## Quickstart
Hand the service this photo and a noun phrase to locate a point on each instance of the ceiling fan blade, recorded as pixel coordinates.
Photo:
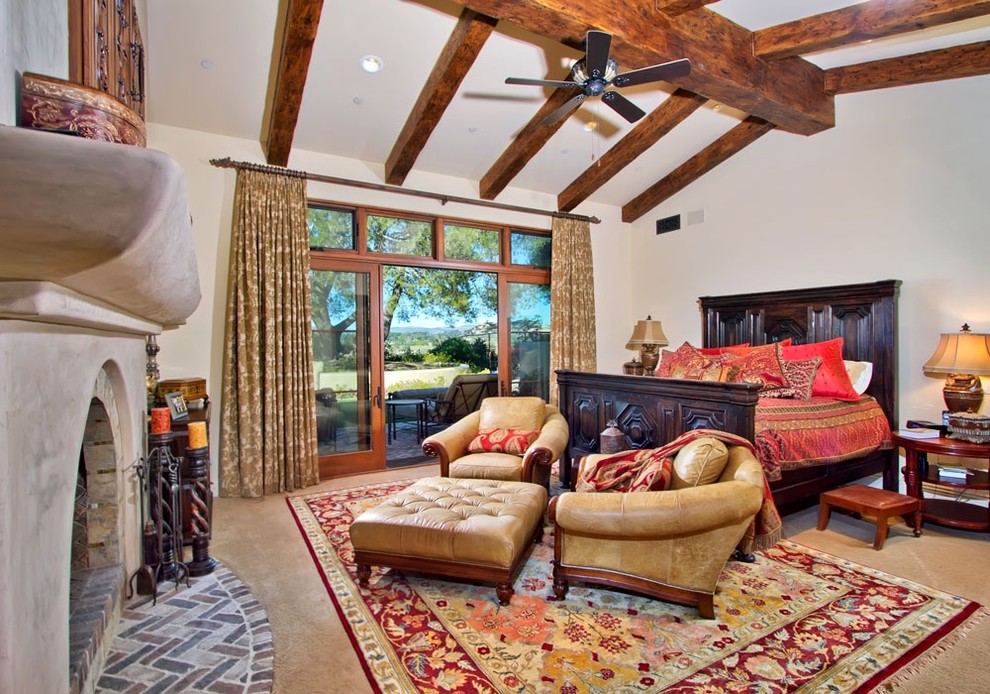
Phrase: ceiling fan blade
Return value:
(540, 83)
(623, 106)
(564, 110)
(654, 73)
(596, 58)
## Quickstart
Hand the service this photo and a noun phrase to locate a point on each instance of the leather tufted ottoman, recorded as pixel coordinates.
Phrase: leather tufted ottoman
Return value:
(463, 528)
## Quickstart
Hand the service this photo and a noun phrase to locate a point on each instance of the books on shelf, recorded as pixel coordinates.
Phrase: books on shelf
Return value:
(954, 473)
(919, 433)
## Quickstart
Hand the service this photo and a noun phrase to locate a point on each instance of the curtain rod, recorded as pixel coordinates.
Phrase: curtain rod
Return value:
(228, 163)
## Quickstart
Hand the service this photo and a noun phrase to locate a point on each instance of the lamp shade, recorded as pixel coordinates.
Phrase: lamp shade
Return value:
(647, 332)
(963, 352)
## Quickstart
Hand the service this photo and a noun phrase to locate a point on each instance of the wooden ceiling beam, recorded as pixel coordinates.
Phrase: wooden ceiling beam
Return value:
(789, 93)
(647, 133)
(740, 137)
(525, 146)
(302, 19)
(676, 7)
(457, 57)
(969, 60)
(864, 22)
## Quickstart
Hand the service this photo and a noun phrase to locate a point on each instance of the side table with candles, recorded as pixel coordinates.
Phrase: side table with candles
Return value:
(918, 469)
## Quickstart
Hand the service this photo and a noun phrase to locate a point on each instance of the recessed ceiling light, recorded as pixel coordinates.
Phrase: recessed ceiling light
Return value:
(372, 63)
(357, 100)
(472, 129)
(590, 126)
(206, 63)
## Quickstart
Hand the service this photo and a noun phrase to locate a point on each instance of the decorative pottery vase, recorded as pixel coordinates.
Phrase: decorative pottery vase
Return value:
(613, 440)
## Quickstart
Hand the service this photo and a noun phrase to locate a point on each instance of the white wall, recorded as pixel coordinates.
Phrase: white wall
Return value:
(897, 190)
(196, 348)
(35, 39)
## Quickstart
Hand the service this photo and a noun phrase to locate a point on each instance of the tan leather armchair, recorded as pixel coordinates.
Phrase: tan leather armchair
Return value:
(451, 446)
(669, 544)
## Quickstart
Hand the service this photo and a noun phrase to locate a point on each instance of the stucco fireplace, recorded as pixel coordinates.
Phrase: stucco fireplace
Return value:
(96, 254)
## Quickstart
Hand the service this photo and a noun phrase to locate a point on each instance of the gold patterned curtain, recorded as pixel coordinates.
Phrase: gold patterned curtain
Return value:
(572, 300)
(268, 414)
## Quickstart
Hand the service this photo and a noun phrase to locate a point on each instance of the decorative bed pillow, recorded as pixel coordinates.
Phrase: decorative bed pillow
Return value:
(699, 462)
(511, 441)
(731, 349)
(860, 374)
(758, 365)
(831, 381)
(800, 375)
(689, 362)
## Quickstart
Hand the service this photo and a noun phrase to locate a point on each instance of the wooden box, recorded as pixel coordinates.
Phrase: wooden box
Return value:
(191, 388)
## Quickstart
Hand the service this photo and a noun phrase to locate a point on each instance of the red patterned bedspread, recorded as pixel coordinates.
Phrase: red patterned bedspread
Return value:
(802, 433)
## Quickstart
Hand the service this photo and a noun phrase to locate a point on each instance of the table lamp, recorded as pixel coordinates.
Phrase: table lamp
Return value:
(962, 357)
(648, 338)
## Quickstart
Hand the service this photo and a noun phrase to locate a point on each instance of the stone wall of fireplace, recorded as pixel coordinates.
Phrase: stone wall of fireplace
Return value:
(97, 255)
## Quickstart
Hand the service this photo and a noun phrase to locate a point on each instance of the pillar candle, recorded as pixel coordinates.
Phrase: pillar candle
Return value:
(197, 435)
(161, 420)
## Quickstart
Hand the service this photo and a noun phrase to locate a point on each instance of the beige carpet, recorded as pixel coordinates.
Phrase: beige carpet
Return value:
(259, 541)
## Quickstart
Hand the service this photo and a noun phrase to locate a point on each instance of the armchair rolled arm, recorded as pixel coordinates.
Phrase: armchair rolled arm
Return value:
(658, 514)
(451, 443)
(549, 445)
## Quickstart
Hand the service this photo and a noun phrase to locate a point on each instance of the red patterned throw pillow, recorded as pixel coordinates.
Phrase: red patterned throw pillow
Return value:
(800, 376)
(758, 365)
(511, 441)
(689, 362)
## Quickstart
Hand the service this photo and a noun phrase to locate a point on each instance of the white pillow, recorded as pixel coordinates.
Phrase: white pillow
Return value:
(860, 373)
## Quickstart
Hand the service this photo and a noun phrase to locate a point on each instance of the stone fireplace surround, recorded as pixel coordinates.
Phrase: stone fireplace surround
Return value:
(96, 253)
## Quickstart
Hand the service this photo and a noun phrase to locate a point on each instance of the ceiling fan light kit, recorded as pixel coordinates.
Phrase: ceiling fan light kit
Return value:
(597, 71)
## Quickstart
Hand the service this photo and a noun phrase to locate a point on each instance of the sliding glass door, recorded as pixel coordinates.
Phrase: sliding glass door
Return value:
(347, 368)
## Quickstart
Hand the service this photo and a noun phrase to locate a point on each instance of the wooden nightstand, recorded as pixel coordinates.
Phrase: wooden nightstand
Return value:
(956, 514)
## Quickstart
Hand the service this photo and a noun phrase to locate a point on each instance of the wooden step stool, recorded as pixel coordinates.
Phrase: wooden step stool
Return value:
(869, 501)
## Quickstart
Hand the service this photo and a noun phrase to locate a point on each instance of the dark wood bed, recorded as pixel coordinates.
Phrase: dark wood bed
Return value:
(652, 411)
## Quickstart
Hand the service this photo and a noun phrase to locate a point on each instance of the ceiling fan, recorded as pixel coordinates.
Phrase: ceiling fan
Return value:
(596, 72)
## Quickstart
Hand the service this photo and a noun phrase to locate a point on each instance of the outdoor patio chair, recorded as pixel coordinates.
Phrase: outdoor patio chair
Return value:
(463, 396)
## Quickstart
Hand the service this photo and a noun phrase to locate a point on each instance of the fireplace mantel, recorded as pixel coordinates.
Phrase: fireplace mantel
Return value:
(102, 220)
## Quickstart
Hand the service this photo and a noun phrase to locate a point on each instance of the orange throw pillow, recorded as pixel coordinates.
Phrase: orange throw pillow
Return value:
(510, 441)
(758, 365)
(832, 379)
(689, 362)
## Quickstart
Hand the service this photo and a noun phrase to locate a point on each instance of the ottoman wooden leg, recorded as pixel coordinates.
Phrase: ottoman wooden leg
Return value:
(363, 574)
(559, 588)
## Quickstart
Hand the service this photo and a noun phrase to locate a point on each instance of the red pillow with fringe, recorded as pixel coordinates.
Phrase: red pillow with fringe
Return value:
(511, 441)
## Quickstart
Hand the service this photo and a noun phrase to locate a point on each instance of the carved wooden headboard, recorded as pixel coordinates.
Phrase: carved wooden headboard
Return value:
(864, 315)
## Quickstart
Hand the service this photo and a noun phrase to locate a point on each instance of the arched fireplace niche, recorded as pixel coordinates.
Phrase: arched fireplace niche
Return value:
(104, 480)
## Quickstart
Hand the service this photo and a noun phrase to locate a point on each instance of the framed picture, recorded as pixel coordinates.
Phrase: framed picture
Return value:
(177, 405)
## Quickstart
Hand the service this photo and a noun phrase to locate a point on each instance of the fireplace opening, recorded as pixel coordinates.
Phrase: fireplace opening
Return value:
(96, 581)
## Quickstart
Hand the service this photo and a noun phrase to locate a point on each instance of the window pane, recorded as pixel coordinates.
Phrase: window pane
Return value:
(331, 228)
(437, 324)
(530, 249)
(402, 236)
(470, 243)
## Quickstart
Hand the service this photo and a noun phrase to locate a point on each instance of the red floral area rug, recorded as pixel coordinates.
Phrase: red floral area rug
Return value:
(797, 620)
